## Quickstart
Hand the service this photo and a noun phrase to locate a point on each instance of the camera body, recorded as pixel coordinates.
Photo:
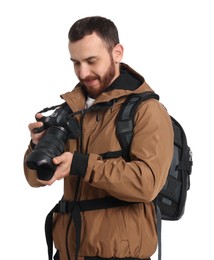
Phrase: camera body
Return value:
(60, 126)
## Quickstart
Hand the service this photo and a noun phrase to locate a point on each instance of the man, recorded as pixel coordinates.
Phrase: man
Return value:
(92, 173)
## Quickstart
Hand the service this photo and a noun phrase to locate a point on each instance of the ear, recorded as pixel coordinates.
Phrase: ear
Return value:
(118, 53)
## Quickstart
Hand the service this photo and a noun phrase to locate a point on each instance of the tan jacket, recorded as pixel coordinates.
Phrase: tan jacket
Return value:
(128, 231)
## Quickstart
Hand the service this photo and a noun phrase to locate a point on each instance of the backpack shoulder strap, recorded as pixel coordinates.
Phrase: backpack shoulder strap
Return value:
(125, 118)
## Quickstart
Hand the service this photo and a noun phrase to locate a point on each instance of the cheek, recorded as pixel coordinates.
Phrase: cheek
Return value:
(102, 68)
(76, 71)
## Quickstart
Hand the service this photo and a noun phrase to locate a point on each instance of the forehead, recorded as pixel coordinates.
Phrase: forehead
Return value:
(90, 45)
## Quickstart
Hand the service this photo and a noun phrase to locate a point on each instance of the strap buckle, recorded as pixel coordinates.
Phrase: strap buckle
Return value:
(63, 206)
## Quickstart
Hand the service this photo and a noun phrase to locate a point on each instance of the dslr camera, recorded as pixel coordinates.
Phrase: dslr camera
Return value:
(60, 126)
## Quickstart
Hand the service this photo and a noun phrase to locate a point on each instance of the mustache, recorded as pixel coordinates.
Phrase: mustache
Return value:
(89, 78)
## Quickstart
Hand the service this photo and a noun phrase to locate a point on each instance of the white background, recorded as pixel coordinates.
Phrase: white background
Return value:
(169, 42)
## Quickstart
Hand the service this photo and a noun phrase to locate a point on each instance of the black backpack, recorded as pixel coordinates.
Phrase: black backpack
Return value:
(170, 202)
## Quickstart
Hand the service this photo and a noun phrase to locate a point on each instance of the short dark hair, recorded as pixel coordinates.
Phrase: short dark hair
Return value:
(102, 26)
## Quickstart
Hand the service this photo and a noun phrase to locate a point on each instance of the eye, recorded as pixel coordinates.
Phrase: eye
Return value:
(76, 63)
(91, 61)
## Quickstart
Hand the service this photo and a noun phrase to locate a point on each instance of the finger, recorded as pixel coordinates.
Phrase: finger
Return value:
(31, 126)
(38, 115)
(49, 182)
(60, 159)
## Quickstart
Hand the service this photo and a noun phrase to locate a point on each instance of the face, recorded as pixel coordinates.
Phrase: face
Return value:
(94, 65)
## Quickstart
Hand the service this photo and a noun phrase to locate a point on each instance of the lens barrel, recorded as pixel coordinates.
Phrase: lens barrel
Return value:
(50, 145)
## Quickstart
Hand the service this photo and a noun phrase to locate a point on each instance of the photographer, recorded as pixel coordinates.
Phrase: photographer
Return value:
(107, 209)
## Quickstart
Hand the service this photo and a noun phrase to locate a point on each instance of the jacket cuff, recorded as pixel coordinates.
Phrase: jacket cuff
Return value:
(79, 164)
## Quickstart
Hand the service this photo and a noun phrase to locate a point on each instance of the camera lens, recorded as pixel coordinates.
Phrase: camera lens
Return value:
(50, 145)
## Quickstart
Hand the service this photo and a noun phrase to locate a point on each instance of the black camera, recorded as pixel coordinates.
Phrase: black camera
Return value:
(61, 126)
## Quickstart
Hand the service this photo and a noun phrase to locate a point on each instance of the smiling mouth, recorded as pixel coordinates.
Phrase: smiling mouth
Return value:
(90, 82)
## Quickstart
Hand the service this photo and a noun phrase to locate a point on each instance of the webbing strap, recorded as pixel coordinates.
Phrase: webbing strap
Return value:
(158, 212)
(74, 208)
(48, 231)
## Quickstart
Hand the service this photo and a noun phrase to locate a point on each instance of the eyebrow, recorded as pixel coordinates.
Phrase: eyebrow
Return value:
(89, 58)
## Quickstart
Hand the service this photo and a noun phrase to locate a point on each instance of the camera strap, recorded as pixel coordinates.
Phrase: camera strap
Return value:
(46, 109)
(96, 107)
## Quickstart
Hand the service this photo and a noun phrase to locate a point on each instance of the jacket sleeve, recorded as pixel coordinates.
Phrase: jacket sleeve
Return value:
(151, 152)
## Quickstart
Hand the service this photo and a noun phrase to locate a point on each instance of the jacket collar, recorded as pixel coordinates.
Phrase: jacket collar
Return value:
(129, 82)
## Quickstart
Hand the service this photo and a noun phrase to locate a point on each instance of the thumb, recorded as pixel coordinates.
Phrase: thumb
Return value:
(57, 160)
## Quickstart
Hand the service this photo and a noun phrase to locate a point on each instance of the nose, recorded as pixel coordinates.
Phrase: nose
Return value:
(84, 71)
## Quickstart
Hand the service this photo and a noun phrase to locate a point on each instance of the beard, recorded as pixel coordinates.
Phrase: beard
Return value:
(104, 81)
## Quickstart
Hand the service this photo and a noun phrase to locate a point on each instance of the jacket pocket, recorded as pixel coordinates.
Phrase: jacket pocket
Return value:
(121, 225)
